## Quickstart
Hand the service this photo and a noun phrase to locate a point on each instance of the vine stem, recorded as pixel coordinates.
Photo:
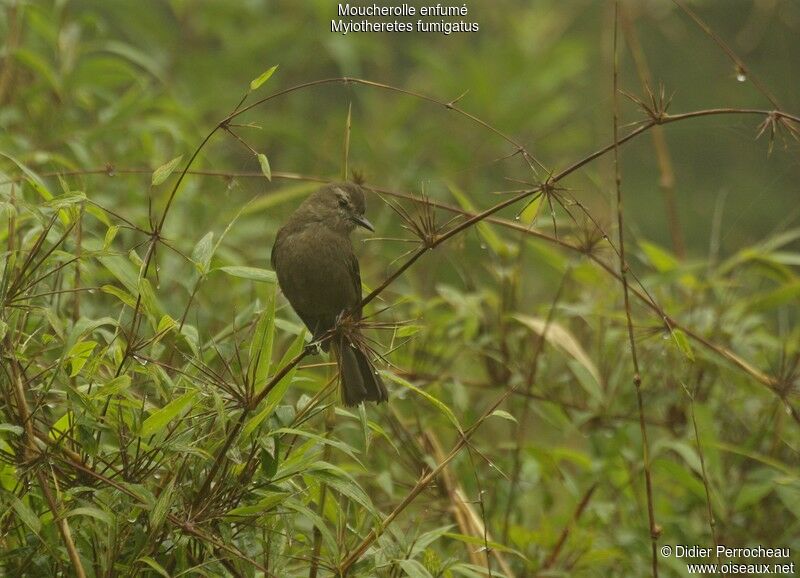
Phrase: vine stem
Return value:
(623, 267)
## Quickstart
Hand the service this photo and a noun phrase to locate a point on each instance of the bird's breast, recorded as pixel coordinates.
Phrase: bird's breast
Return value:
(314, 268)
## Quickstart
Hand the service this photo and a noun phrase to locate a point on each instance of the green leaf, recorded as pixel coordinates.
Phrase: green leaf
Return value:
(479, 541)
(79, 355)
(485, 230)
(161, 508)
(407, 330)
(122, 269)
(166, 324)
(504, 415)
(441, 406)
(123, 296)
(96, 513)
(62, 425)
(275, 396)
(789, 494)
(113, 387)
(202, 252)
(163, 172)
(257, 82)
(25, 514)
(316, 521)
(334, 443)
(262, 506)
(261, 345)
(252, 273)
(683, 343)
(265, 168)
(661, 259)
(149, 299)
(786, 293)
(414, 569)
(561, 338)
(154, 565)
(158, 420)
(7, 427)
(278, 197)
(33, 179)
(269, 461)
(111, 234)
(341, 482)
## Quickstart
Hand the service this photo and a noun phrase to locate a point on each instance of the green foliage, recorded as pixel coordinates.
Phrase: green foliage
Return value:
(159, 398)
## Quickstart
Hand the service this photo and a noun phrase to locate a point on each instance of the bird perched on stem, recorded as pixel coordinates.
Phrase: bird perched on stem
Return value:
(319, 274)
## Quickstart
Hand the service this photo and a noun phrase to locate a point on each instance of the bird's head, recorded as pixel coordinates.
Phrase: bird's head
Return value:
(339, 206)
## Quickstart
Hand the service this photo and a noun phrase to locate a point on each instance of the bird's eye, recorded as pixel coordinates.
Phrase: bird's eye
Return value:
(342, 202)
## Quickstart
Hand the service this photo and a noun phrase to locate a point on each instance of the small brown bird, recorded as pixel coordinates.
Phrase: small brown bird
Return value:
(319, 274)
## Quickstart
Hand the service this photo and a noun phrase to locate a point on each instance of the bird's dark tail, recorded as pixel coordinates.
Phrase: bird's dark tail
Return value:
(360, 382)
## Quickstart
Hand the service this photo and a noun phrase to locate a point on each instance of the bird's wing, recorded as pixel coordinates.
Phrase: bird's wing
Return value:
(355, 274)
(276, 246)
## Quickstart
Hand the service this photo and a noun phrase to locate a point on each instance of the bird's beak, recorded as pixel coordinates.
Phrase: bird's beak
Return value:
(363, 222)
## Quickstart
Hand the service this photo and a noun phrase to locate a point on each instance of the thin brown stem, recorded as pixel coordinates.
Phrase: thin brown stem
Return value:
(562, 539)
(623, 267)
(31, 453)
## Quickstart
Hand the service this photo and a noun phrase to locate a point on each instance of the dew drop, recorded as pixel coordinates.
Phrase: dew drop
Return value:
(517, 217)
(741, 75)
(483, 245)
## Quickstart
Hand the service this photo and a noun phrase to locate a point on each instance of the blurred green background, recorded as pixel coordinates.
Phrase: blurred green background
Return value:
(122, 87)
(135, 84)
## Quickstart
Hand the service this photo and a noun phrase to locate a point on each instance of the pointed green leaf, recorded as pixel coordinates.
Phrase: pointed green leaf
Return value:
(79, 355)
(159, 512)
(269, 461)
(275, 396)
(257, 82)
(26, 514)
(504, 415)
(441, 406)
(158, 420)
(264, 505)
(261, 345)
(265, 168)
(683, 343)
(203, 251)
(113, 387)
(252, 273)
(163, 172)
(154, 565)
(7, 427)
(111, 234)
(95, 513)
